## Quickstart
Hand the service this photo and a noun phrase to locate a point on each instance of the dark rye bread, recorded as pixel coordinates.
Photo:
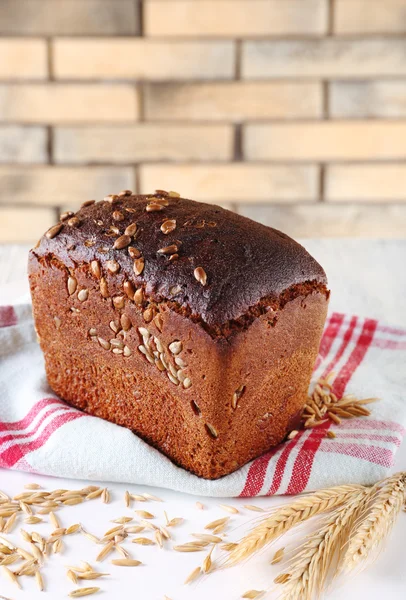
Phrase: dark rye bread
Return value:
(179, 320)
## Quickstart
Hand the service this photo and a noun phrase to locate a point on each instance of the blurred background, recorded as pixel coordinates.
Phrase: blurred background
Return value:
(292, 112)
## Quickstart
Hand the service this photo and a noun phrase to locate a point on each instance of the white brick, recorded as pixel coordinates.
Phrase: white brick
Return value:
(57, 186)
(369, 16)
(143, 142)
(23, 144)
(126, 58)
(332, 220)
(233, 182)
(328, 57)
(24, 225)
(366, 182)
(235, 18)
(233, 101)
(23, 59)
(326, 141)
(70, 103)
(359, 99)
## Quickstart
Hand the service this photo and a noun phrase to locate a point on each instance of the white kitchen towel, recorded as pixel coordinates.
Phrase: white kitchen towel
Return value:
(39, 433)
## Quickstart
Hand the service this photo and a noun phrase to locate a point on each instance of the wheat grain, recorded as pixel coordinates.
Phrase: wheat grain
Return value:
(32, 486)
(143, 541)
(217, 523)
(199, 505)
(39, 580)
(285, 518)
(207, 563)
(253, 594)
(253, 508)
(105, 496)
(193, 575)
(127, 499)
(230, 509)
(72, 576)
(11, 576)
(105, 551)
(84, 592)
(126, 562)
(206, 537)
(152, 497)
(386, 500)
(144, 514)
(278, 556)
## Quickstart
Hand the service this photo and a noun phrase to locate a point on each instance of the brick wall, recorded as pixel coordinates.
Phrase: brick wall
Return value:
(292, 112)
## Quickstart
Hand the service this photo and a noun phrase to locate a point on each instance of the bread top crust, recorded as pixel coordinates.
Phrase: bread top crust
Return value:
(214, 263)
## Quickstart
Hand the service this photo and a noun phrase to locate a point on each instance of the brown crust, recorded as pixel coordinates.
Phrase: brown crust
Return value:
(248, 265)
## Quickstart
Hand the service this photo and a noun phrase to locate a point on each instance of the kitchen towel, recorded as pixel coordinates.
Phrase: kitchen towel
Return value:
(39, 433)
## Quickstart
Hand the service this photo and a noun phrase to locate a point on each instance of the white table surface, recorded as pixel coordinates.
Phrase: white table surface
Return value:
(376, 267)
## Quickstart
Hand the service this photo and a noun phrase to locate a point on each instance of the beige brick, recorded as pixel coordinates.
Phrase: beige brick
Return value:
(369, 16)
(23, 144)
(233, 101)
(358, 99)
(23, 59)
(332, 220)
(143, 59)
(233, 182)
(143, 142)
(56, 186)
(24, 225)
(65, 17)
(59, 103)
(231, 18)
(330, 140)
(366, 182)
(328, 57)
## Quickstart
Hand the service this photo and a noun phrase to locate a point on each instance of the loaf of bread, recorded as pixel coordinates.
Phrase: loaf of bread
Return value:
(193, 326)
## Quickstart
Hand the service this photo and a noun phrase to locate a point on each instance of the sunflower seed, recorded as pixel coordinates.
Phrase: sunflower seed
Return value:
(130, 230)
(112, 266)
(175, 347)
(117, 215)
(187, 383)
(83, 295)
(237, 395)
(104, 343)
(125, 322)
(118, 301)
(167, 250)
(124, 193)
(72, 285)
(200, 275)
(168, 226)
(122, 242)
(73, 222)
(53, 231)
(211, 430)
(139, 265)
(154, 207)
(129, 289)
(104, 290)
(95, 268)
(66, 215)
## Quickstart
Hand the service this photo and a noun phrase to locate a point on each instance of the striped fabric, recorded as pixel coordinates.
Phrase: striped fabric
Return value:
(40, 433)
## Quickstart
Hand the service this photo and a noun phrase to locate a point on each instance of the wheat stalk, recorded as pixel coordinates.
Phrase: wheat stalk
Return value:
(386, 500)
(309, 569)
(287, 517)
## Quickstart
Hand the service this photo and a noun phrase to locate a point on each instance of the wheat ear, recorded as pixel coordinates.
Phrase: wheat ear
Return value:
(386, 500)
(310, 567)
(285, 518)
